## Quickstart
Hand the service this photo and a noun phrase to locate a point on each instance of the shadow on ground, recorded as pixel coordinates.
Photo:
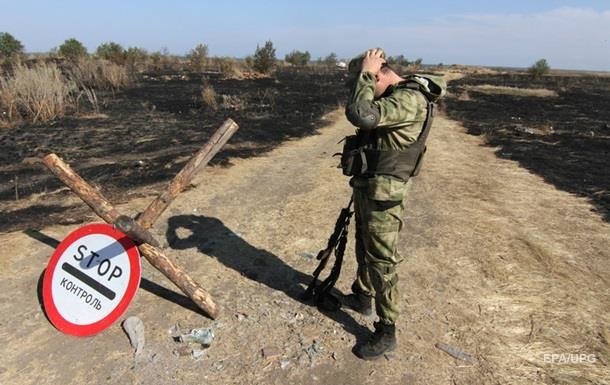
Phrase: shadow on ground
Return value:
(211, 237)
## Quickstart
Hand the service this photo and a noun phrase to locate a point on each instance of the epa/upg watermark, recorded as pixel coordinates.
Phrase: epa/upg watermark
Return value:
(569, 358)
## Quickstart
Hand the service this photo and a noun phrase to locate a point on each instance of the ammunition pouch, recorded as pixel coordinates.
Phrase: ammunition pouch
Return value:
(353, 158)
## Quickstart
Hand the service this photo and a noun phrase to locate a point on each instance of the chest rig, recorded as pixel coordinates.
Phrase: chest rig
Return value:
(361, 157)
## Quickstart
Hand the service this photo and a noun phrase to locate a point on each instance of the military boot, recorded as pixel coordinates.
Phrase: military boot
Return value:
(382, 341)
(359, 302)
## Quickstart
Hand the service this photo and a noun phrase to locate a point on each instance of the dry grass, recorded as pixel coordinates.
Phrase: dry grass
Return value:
(39, 93)
(513, 91)
(100, 74)
(208, 96)
(516, 272)
(229, 68)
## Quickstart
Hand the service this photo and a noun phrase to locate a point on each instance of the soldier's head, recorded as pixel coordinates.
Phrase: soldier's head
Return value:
(384, 78)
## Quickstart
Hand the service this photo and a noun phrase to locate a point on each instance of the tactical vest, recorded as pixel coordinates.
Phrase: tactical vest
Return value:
(360, 157)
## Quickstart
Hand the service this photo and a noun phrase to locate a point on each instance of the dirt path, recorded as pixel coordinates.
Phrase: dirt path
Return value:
(499, 264)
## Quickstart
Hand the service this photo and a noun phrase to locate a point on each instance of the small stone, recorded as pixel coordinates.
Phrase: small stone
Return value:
(241, 316)
(134, 327)
(314, 350)
(306, 255)
(174, 331)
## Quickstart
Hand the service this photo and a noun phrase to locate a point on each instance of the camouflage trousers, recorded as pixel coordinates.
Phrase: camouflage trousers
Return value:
(379, 206)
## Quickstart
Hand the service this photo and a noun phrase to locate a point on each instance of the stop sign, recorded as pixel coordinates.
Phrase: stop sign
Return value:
(90, 280)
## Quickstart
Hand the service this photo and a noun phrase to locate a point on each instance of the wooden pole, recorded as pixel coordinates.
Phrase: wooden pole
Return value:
(108, 213)
(184, 177)
(135, 231)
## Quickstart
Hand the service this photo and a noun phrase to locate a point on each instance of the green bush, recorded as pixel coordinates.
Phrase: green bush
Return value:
(264, 58)
(298, 58)
(331, 59)
(111, 51)
(72, 50)
(136, 58)
(197, 57)
(10, 48)
(540, 68)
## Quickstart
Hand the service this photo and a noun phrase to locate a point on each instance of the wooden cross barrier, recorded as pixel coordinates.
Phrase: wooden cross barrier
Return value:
(138, 229)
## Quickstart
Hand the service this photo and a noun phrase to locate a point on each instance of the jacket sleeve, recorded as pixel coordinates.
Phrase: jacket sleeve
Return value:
(397, 109)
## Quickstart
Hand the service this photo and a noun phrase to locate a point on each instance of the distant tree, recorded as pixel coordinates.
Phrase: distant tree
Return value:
(264, 58)
(197, 57)
(298, 58)
(417, 63)
(400, 60)
(72, 49)
(331, 59)
(111, 51)
(9, 46)
(249, 61)
(134, 57)
(540, 68)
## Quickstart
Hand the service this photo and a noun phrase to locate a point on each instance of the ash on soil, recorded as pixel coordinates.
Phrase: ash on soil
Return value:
(144, 135)
(565, 139)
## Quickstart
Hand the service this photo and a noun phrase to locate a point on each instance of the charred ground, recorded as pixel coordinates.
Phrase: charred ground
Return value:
(145, 134)
(563, 138)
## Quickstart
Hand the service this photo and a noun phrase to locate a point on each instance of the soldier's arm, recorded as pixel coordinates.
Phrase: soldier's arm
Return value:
(364, 112)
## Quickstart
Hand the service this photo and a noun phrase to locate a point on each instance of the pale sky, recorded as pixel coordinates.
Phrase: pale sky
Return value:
(516, 33)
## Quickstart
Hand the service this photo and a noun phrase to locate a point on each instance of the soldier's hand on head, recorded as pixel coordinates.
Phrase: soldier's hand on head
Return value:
(373, 60)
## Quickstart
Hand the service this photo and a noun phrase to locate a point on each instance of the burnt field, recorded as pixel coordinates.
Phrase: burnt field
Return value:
(557, 126)
(143, 136)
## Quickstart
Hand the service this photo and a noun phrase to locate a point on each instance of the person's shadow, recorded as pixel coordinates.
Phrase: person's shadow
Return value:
(213, 238)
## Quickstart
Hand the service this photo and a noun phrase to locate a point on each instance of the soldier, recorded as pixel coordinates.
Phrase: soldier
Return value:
(391, 114)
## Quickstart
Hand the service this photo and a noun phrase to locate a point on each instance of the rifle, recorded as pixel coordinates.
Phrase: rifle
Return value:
(337, 242)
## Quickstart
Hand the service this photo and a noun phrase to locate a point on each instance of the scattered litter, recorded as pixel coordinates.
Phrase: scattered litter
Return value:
(195, 342)
(134, 327)
(201, 336)
(284, 364)
(334, 356)
(455, 352)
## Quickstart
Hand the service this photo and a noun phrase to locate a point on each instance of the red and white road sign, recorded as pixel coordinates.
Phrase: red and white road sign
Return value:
(90, 280)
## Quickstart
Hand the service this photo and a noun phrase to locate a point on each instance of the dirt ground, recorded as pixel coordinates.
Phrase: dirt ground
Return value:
(500, 263)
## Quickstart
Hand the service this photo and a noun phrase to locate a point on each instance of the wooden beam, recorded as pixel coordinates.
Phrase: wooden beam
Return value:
(185, 176)
(136, 232)
(100, 205)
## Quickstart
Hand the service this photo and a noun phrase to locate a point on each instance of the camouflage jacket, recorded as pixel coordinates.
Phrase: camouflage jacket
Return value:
(402, 113)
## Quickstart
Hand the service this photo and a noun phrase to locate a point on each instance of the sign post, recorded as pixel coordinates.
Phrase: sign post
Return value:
(90, 280)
